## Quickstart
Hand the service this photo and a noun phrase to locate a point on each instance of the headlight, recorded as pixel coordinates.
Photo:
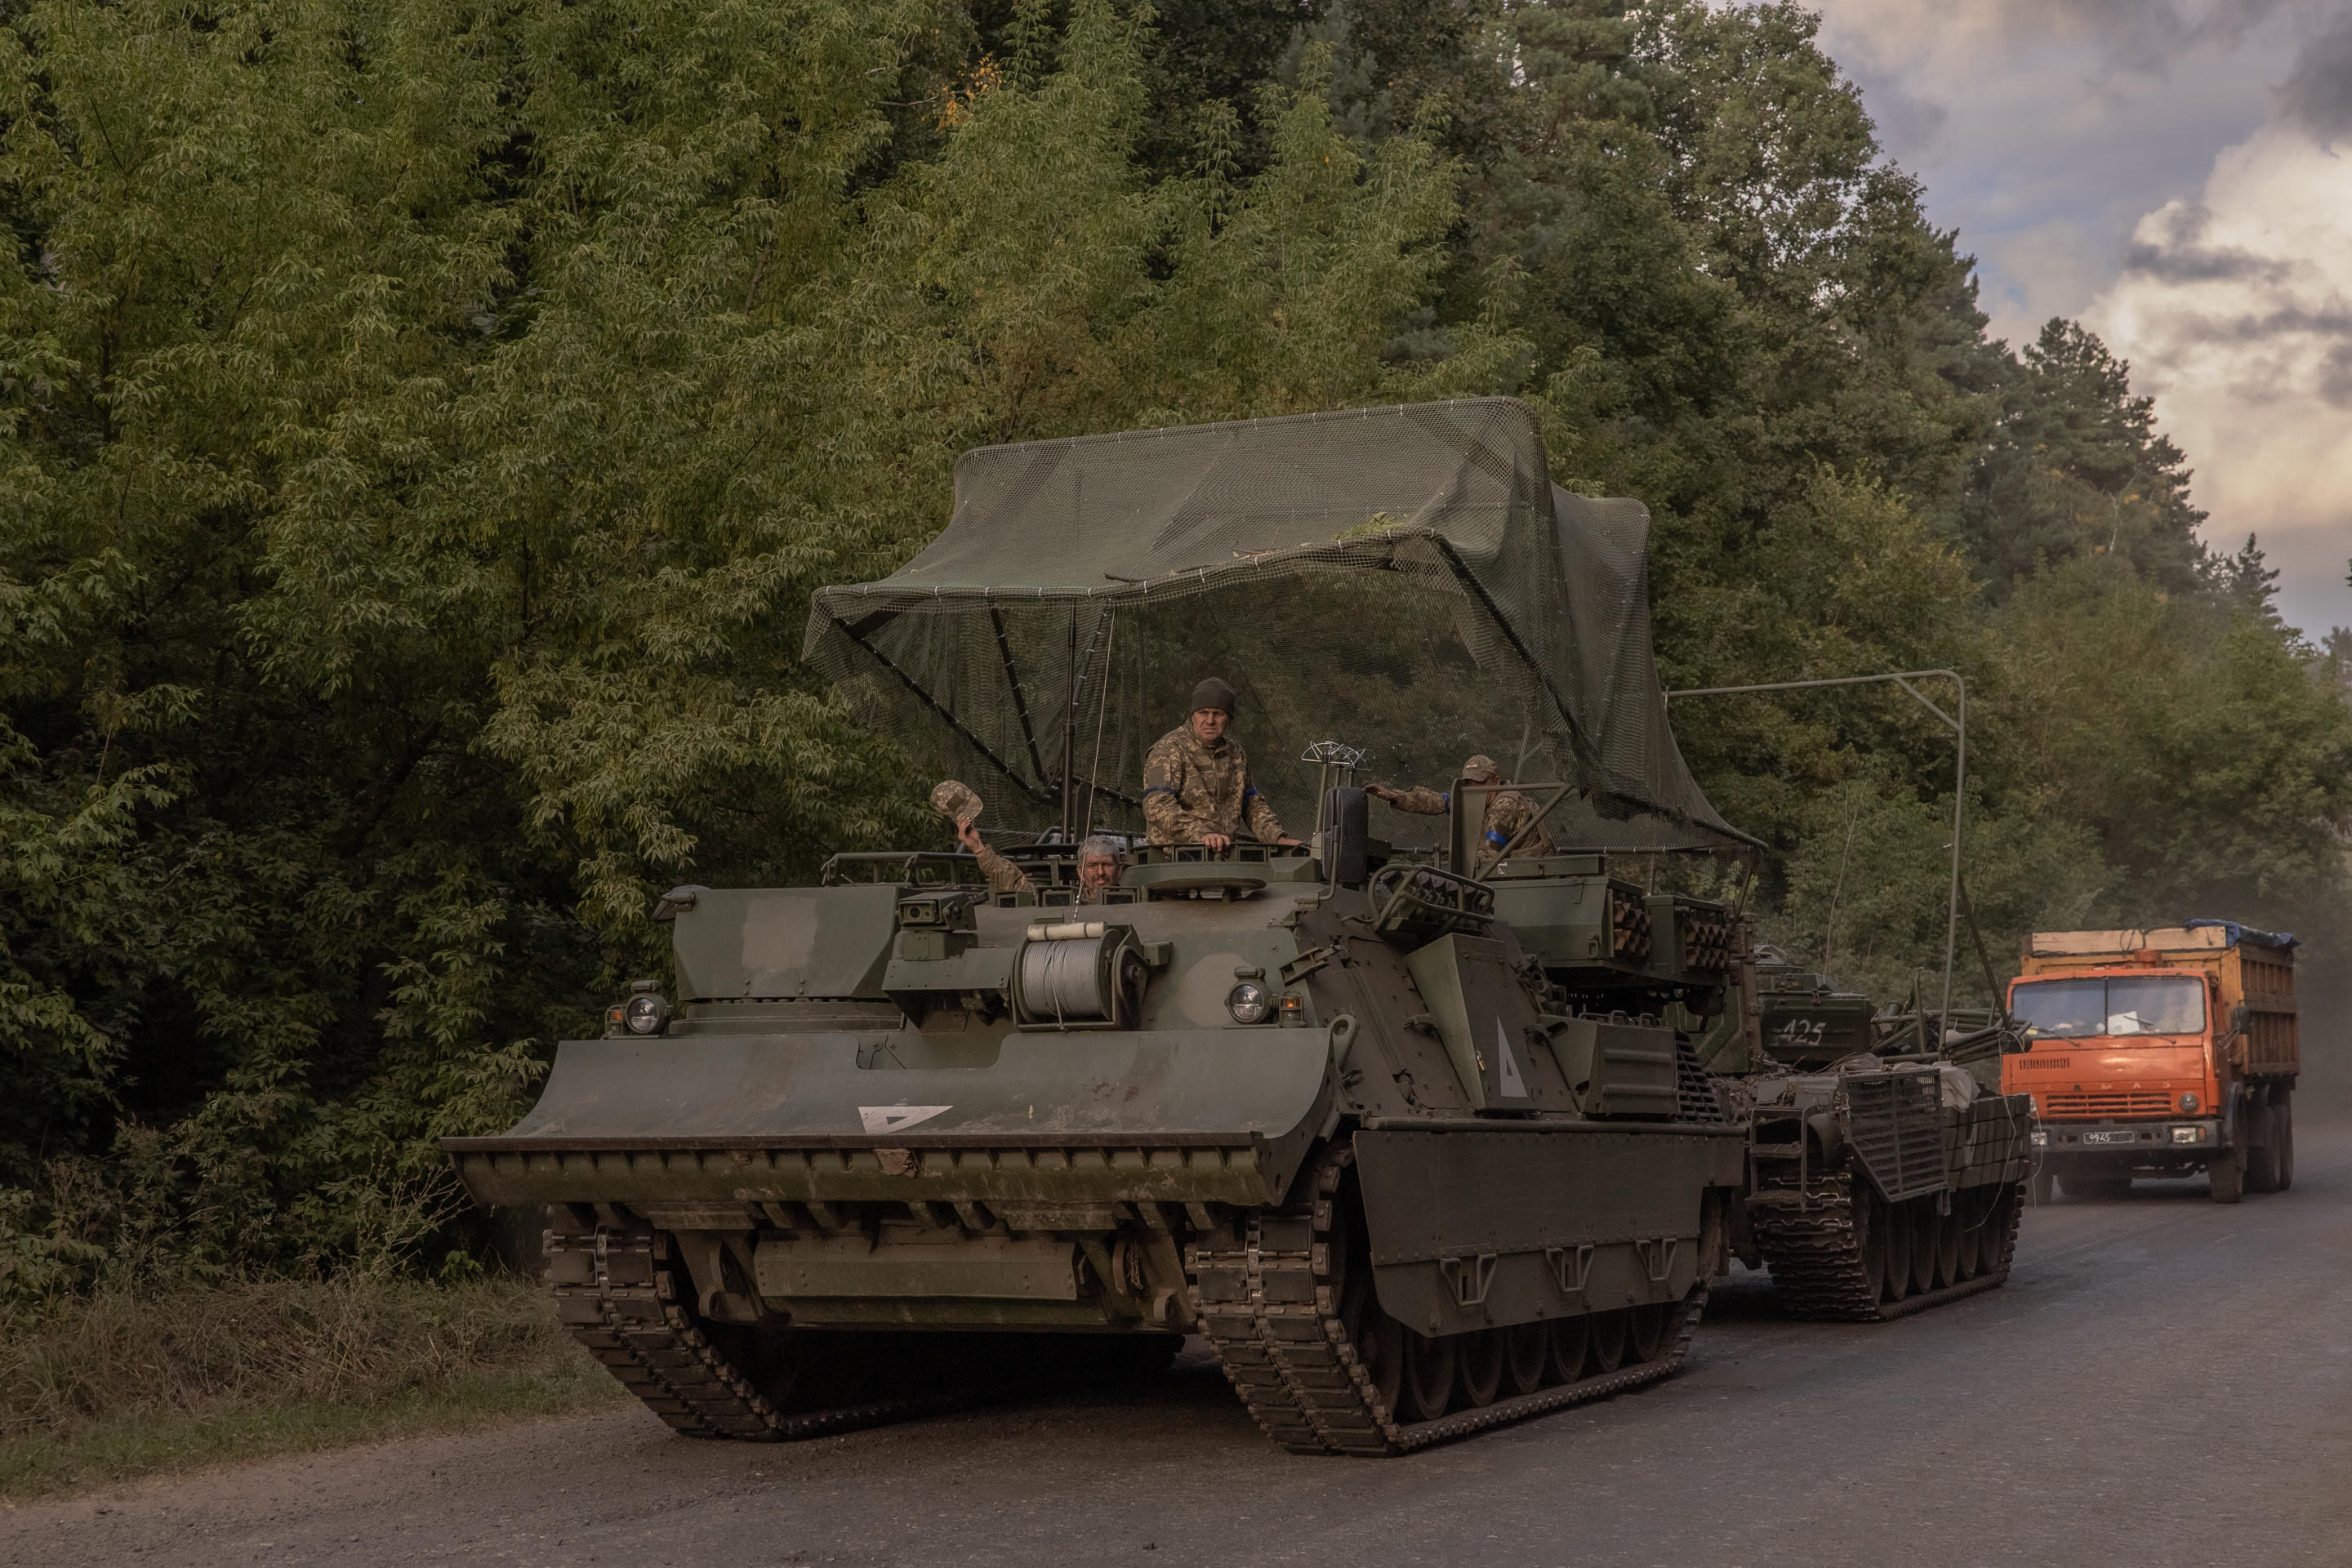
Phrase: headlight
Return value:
(1247, 1003)
(2040, 1138)
(2188, 1135)
(647, 1012)
(2187, 1103)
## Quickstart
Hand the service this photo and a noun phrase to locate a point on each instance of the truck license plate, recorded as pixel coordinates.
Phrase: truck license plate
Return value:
(2110, 1136)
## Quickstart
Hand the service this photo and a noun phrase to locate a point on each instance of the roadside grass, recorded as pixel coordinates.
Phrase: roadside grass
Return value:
(122, 1385)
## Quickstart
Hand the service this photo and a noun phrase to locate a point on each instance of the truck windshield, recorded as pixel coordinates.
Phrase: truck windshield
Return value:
(2071, 1009)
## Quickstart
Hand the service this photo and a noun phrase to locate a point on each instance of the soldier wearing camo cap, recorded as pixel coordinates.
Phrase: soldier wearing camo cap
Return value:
(1196, 780)
(1507, 811)
(1098, 858)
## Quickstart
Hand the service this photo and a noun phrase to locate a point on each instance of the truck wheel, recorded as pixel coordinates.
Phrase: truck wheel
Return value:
(2045, 1182)
(2282, 1135)
(2261, 1150)
(2227, 1172)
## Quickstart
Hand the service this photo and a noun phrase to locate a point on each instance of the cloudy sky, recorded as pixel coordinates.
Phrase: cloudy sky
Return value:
(2178, 175)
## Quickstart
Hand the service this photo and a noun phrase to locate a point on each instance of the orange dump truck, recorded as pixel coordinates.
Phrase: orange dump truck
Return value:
(2159, 1053)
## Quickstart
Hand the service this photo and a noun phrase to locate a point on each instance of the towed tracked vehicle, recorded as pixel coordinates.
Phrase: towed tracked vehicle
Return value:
(1411, 1148)
(1886, 1172)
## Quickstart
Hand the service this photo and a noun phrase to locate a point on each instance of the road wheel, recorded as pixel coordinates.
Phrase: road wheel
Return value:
(1570, 1339)
(2045, 1182)
(1610, 1331)
(1967, 1230)
(1925, 1245)
(1870, 1235)
(1897, 1277)
(1648, 1329)
(1478, 1368)
(1949, 1229)
(1428, 1382)
(1527, 1351)
(2283, 1131)
(2227, 1172)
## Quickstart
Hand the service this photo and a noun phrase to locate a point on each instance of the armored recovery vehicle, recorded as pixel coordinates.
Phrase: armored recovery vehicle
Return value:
(1411, 1149)
(1886, 1170)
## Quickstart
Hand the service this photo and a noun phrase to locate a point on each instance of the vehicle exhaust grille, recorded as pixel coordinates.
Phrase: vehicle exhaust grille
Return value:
(1697, 1096)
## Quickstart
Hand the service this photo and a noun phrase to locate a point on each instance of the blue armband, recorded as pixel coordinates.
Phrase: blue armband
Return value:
(1161, 789)
(1497, 839)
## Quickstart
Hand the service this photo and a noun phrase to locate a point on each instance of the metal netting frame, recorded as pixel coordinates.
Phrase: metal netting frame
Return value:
(1519, 518)
(843, 651)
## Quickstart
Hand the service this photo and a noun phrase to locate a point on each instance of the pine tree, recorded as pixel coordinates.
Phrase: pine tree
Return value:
(2245, 584)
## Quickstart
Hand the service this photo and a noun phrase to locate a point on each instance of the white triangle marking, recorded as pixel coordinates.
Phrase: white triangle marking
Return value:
(1507, 1068)
(896, 1118)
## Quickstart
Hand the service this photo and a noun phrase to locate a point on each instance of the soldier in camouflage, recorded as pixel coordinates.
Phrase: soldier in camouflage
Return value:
(1099, 857)
(1196, 781)
(1098, 865)
(1507, 811)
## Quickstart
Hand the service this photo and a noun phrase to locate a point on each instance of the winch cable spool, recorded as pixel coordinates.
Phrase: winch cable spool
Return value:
(1063, 975)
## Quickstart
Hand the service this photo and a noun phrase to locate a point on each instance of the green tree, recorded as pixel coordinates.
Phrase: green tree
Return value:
(2076, 467)
(424, 426)
(2211, 760)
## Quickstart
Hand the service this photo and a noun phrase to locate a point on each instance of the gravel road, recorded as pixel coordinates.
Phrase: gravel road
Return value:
(2162, 1381)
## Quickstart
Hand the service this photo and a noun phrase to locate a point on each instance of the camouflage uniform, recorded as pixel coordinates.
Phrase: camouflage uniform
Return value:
(1507, 813)
(1004, 877)
(1191, 789)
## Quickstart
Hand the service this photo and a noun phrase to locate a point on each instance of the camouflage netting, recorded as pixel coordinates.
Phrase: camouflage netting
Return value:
(1407, 580)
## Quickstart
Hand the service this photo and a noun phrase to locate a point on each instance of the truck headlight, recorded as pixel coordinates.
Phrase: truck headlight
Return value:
(2187, 1103)
(2040, 1138)
(1249, 1002)
(2188, 1135)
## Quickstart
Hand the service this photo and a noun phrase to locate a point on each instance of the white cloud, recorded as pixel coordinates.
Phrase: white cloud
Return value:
(2156, 168)
(2045, 128)
(2235, 310)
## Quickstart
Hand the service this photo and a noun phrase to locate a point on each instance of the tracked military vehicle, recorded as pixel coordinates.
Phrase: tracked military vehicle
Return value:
(1412, 1150)
(1886, 1172)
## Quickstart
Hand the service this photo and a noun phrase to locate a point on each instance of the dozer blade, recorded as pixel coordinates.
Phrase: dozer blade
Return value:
(1169, 1116)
